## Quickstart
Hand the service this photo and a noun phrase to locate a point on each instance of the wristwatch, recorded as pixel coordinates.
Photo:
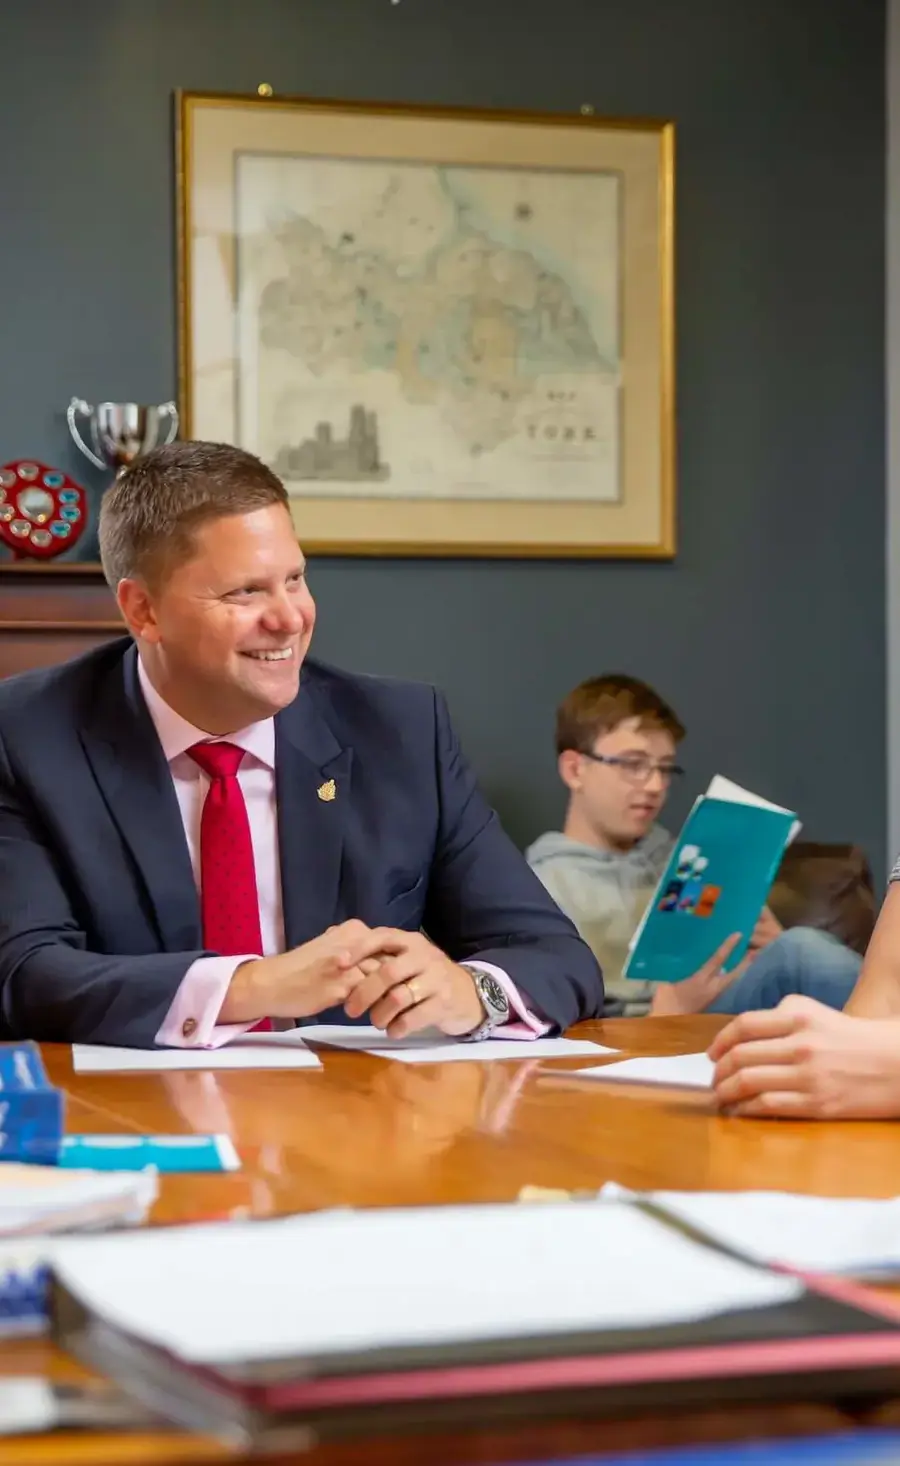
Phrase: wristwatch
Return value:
(493, 1000)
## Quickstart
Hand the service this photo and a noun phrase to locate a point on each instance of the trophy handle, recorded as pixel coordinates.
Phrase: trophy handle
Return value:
(79, 408)
(171, 412)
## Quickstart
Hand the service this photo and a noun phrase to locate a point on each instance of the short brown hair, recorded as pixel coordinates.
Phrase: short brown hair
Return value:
(600, 704)
(149, 514)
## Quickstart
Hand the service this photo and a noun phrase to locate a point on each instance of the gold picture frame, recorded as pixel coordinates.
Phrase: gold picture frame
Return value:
(450, 331)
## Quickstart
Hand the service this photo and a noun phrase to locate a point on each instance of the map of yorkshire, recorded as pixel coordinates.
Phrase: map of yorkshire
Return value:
(424, 331)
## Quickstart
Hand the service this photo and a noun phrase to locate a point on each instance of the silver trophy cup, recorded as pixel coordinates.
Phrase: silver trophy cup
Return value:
(121, 431)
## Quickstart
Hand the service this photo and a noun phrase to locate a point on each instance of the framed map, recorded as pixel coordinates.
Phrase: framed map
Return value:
(449, 332)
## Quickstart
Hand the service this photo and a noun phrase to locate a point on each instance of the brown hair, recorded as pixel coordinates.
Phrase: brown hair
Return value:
(600, 704)
(149, 514)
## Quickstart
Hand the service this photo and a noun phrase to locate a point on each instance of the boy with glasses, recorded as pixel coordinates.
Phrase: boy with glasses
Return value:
(616, 743)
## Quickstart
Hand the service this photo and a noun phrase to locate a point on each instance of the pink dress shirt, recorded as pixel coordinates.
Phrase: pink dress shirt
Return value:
(192, 1019)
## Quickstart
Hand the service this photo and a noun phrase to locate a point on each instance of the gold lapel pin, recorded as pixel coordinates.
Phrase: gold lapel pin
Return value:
(327, 791)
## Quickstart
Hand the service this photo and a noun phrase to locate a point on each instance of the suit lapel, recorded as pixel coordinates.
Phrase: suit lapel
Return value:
(311, 815)
(127, 760)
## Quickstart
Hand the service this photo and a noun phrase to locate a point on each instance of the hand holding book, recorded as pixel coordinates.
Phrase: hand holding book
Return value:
(708, 911)
(693, 994)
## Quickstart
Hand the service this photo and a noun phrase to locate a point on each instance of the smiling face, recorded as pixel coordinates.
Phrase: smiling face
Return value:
(224, 633)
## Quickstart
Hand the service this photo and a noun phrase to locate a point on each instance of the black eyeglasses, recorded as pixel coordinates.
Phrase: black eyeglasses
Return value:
(637, 768)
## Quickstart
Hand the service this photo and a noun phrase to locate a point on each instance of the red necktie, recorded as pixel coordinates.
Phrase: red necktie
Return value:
(229, 900)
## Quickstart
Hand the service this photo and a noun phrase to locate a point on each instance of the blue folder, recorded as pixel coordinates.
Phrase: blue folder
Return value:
(858, 1448)
(32, 1111)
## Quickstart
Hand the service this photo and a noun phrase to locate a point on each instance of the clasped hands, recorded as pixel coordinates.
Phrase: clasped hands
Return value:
(401, 979)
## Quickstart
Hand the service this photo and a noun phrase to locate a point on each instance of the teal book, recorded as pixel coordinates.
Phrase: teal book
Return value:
(163, 1153)
(716, 883)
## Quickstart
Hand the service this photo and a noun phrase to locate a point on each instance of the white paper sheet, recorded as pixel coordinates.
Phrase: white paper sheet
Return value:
(431, 1047)
(376, 1278)
(722, 788)
(253, 1051)
(681, 1071)
(27, 1406)
(812, 1233)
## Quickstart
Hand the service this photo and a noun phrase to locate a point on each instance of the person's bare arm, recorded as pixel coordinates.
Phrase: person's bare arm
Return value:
(877, 993)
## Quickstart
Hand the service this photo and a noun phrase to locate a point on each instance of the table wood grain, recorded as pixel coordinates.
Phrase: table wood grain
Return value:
(366, 1132)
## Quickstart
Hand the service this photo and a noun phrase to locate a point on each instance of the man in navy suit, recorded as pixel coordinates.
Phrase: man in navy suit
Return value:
(203, 832)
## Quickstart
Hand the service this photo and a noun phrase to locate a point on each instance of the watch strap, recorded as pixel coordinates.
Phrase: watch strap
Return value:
(492, 1018)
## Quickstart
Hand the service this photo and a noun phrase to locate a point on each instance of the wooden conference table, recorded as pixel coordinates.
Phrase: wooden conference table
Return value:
(366, 1132)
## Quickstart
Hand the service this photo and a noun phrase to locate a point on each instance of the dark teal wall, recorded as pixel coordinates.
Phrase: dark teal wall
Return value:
(768, 630)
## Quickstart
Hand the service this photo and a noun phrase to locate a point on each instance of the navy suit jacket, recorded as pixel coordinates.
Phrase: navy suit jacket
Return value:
(99, 913)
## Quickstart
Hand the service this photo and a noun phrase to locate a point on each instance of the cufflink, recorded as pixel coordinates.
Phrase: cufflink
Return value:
(188, 1027)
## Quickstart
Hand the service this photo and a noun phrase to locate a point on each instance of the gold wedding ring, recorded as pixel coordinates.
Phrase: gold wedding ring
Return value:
(411, 989)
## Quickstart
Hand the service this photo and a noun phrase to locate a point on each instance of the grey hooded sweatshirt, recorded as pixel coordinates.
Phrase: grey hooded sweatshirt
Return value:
(605, 893)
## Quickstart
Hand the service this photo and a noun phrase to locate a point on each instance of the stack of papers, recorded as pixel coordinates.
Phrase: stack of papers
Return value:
(38, 1200)
(164, 1286)
(41, 1199)
(281, 1358)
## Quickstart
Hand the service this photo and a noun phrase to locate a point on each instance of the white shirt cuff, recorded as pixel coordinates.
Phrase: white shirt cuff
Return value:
(191, 1020)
